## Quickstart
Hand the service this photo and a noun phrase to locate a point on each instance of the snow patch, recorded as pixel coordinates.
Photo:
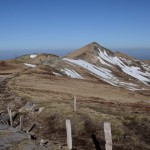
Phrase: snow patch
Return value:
(72, 73)
(103, 62)
(146, 67)
(135, 89)
(30, 65)
(99, 71)
(56, 74)
(106, 74)
(33, 56)
(125, 60)
(132, 71)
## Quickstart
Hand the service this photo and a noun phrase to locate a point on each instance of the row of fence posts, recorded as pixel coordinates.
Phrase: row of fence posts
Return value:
(107, 132)
(107, 129)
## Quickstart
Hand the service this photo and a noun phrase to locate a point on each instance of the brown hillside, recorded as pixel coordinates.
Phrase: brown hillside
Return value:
(90, 48)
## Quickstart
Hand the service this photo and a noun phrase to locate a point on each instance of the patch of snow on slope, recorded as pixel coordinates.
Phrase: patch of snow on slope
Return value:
(33, 56)
(72, 73)
(56, 74)
(99, 71)
(112, 60)
(135, 89)
(103, 73)
(30, 65)
(125, 60)
(132, 71)
(136, 73)
(146, 67)
(103, 62)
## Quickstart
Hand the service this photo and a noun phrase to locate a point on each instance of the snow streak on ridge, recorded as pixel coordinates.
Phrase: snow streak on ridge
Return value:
(72, 73)
(132, 71)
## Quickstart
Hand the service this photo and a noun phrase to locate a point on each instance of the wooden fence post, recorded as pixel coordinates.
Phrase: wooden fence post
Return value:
(10, 116)
(75, 104)
(108, 137)
(21, 123)
(69, 134)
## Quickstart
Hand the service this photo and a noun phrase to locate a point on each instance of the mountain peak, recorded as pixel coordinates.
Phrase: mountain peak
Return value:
(94, 43)
(92, 48)
(119, 65)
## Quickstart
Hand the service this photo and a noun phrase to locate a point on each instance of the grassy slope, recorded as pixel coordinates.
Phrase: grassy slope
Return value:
(128, 112)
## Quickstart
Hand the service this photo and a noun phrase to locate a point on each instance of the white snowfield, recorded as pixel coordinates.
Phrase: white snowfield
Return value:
(103, 73)
(30, 65)
(106, 74)
(72, 73)
(33, 56)
(99, 71)
(132, 71)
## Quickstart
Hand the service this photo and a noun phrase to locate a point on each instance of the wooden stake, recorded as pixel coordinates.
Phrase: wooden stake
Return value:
(108, 137)
(8, 110)
(69, 134)
(10, 116)
(21, 123)
(75, 104)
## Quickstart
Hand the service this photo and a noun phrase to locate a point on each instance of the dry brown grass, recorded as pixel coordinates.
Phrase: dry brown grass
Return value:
(96, 102)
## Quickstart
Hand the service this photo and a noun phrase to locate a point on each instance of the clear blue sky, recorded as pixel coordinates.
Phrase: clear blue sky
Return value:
(70, 24)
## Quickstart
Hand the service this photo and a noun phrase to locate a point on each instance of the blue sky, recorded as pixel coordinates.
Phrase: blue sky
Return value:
(65, 25)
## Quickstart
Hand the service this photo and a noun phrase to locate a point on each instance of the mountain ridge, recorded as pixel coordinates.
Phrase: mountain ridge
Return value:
(42, 89)
(114, 68)
(100, 56)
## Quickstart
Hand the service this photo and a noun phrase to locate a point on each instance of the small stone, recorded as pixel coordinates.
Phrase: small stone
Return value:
(29, 106)
(41, 109)
(43, 142)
